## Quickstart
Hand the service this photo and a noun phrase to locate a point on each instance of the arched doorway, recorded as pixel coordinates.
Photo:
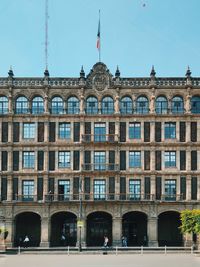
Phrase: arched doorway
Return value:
(134, 228)
(169, 233)
(99, 224)
(63, 229)
(27, 223)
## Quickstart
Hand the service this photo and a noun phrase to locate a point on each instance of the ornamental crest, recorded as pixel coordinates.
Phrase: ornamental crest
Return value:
(99, 77)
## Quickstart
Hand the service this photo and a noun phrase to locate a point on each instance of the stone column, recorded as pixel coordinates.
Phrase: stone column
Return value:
(10, 131)
(46, 130)
(152, 231)
(9, 194)
(9, 227)
(116, 231)
(45, 232)
(152, 104)
(188, 188)
(187, 104)
(10, 105)
(82, 108)
(117, 109)
(46, 104)
(152, 131)
(81, 230)
(153, 187)
(45, 187)
(81, 130)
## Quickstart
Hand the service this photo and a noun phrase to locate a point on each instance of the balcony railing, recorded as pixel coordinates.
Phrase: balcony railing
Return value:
(100, 138)
(100, 167)
(173, 197)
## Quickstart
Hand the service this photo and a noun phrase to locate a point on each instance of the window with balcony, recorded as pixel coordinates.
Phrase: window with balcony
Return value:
(99, 189)
(57, 105)
(161, 105)
(107, 105)
(3, 105)
(135, 159)
(37, 105)
(99, 132)
(73, 105)
(28, 160)
(195, 105)
(134, 130)
(28, 130)
(142, 105)
(170, 159)
(64, 159)
(170, 190)
(21, 105)
(126, 105)
(91, 105)
(100, 160)
(170, 130)
(134, 189)
(28, 190)
(177, 105)
(63, 190)
(64, 130)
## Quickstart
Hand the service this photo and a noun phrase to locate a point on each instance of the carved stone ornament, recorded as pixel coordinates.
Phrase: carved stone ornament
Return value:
(99, 77)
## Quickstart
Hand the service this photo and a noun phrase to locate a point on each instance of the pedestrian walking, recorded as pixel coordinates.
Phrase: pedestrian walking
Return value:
(26, 241)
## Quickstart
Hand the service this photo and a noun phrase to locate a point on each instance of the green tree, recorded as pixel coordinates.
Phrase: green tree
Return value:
(190, 221)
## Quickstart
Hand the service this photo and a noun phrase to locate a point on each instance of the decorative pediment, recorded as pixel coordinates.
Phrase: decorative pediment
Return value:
(99, 77)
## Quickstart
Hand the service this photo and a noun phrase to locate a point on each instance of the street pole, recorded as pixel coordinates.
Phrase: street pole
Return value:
(80, 214)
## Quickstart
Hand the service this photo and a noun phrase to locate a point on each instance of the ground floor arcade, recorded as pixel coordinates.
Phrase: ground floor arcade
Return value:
(58, 225)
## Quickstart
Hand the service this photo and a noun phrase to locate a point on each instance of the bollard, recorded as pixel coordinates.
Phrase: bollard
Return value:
(165, 250)
(141, 250)
(19, 250)
(68, 250)
(116, 251)
(192, 250)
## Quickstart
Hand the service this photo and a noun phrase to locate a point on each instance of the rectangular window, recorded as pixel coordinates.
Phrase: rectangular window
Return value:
(158, 131)
(182, 160)
(134, 189)
(99, 132)
(112, 188)
(40, 159)
(76, 160)
(158, 188)
(170, 190)
(147, 159)
(16, 131)
(111, 132)
(146, 131)
(28, 160)
(4, 188)
(76, 131)
(193, 160)
(52, 131)
(63, 190)
(4, 160)
(99, 189)
(77, 187)
(40, 188)
(64, 130)
(183, 188)
(134, 159)
(170, 130)
(51, 160)
(100, 160)
(28, 190)
(87, 131)
(170, 159)
(122, 188)
(182, 131)
(147, 187)
(122, 160)
(15, 160)
(87, 159)
(40, 131)
(134, 130)
(193, 131)
(122, 131)
(87, 188)
(4, 130)
(194, 188)
(15, 188)
(158, 155)
(111, 160)
(28, 130)
(64, 159)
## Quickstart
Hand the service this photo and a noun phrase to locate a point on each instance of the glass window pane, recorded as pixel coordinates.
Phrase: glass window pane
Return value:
(29, 130)
(134, 130)
(64, 159)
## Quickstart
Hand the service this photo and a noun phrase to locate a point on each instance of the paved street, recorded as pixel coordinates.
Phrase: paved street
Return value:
(100, 260)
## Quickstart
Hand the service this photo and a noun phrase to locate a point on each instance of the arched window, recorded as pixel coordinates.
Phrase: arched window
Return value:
(177, 105)
(91, 105)
(3, 105)
(37, 105)
(57, 106)
(142, 105)
(72, 105)
(107, 105)
(126, 105)
(161, 105)
(21, 106)
(195, 104)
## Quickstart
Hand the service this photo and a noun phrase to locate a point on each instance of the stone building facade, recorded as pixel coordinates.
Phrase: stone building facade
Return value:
(98, 155)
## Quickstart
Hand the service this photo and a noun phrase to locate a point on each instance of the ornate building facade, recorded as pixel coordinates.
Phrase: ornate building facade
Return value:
(98, 155)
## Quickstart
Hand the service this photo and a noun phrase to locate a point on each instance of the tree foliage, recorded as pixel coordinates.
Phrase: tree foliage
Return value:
(3, 232)
(190, 221)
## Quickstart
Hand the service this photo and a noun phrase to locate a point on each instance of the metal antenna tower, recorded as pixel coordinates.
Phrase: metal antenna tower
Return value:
(46, 34)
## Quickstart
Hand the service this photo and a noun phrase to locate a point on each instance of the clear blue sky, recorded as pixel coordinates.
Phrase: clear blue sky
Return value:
(164, 33)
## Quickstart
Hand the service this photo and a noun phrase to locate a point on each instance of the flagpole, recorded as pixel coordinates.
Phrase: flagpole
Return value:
(100, 36)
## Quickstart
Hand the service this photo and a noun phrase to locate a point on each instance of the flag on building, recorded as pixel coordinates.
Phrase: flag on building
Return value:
(98, 36)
